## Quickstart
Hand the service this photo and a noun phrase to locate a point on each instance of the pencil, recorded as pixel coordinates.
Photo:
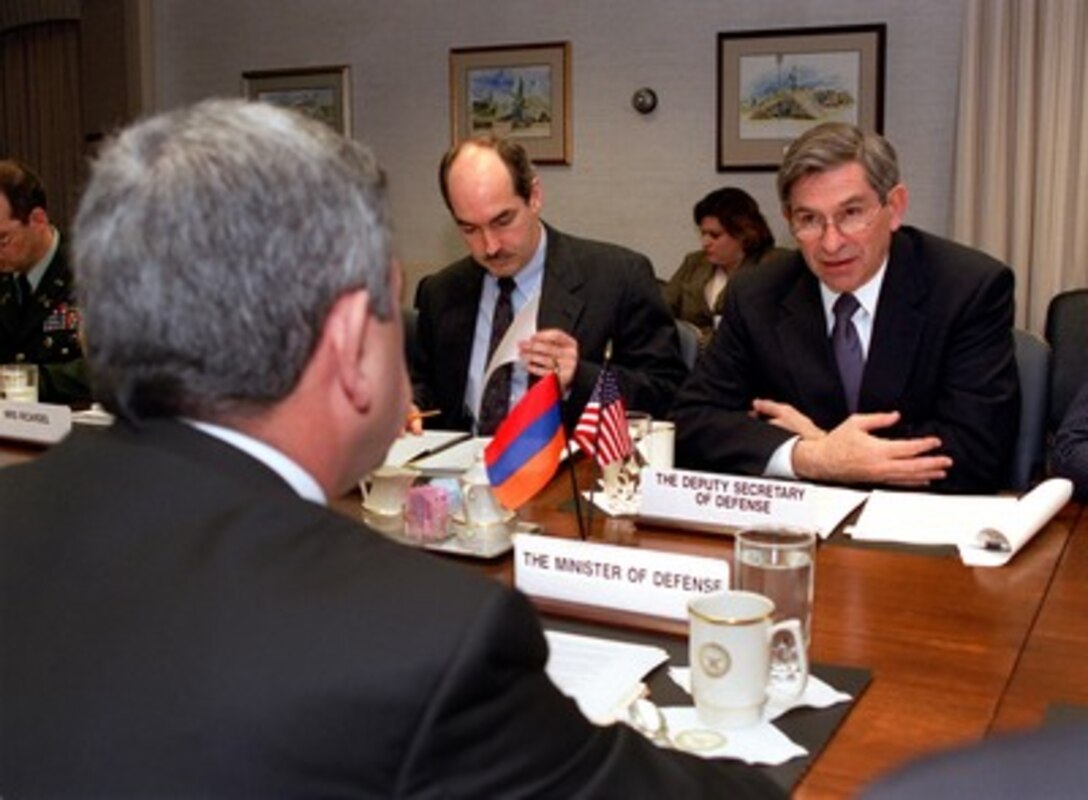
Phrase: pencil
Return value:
(434, 412)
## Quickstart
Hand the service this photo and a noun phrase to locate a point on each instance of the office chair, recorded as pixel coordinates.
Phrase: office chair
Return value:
(1067, 333)
(1033, 368)
(689, 342)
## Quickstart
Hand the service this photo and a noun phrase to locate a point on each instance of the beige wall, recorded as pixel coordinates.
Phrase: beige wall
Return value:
(634, 178)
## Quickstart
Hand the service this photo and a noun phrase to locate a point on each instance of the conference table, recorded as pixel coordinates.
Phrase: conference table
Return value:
(955, 653)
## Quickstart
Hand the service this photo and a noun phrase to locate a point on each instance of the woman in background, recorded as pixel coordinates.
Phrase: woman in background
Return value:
(733, 234)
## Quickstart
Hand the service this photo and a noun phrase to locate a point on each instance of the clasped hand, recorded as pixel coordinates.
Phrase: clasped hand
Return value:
(851, 453)
(550, 350)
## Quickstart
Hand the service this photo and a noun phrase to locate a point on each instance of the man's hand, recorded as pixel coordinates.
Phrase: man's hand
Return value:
(550, 350)
(414, 423)
(852, 454)
(785, 416)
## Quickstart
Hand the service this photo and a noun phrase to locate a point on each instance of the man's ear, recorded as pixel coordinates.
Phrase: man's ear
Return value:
(897, 202)
(345, 335)
(536, 195)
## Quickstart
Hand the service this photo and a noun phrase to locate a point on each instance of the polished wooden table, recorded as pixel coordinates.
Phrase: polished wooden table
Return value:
(956, 653)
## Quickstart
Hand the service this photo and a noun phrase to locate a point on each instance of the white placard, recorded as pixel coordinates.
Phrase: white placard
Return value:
(628, 578)
(726, 503)
(41, 423)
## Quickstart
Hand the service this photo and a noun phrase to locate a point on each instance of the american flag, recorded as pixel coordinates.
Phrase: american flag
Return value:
(602, 429)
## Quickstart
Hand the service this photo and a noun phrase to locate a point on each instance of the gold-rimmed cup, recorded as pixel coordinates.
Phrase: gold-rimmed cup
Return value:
(729, 645)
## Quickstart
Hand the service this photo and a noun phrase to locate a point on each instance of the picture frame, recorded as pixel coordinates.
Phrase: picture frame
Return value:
(517, 91)
(323, 93)
(773, 85)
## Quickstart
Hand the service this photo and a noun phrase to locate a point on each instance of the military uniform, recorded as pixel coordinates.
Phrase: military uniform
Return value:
(45, 331)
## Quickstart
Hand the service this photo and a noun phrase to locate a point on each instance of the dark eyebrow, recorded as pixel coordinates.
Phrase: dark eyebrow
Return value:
(854, 198)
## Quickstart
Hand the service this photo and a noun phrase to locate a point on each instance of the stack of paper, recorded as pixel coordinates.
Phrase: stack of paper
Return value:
(988, 531)
(414, 449)
(602, 676)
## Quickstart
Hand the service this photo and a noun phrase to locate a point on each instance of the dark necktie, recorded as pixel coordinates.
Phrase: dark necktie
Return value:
(22, 287)
(847, 346)
(496, 399)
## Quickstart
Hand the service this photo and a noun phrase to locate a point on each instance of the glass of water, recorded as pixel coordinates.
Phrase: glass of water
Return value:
(779, 563)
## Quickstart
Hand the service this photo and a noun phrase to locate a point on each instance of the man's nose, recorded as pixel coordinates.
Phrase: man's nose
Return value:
(491, 243)
(831, 238)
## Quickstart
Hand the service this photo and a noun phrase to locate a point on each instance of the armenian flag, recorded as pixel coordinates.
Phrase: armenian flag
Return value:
(528, 445)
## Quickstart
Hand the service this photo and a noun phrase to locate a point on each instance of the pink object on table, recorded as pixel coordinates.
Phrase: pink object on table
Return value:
(426, 514)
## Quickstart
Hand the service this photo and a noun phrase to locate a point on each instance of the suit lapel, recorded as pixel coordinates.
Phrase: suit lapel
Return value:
(802, 335)
(897, 330)
(456, 330)
(561, 304)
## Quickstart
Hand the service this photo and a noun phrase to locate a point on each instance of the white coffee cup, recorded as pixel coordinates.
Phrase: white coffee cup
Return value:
(388, 489)
(478, 502)
(731, 656)
(19, 383)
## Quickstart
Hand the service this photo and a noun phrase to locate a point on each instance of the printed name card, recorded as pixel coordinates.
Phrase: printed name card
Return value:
(725, 503)
(644, 581)
(42, 423)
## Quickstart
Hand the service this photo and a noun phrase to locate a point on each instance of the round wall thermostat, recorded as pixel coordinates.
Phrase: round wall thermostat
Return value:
(644, 100)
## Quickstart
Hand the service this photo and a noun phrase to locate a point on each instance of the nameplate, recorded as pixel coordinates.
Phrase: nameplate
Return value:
(727, 503)
(626, 578)
(41, 423)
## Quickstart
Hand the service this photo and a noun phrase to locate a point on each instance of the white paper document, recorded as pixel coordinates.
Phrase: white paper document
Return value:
(455, 459)
(523, 326)
(988, 531)
(602, 676)
(410, 447)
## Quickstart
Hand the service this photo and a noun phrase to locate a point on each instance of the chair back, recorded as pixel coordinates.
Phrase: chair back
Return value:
(689, 342)
(1067, 333)
(1033, 368)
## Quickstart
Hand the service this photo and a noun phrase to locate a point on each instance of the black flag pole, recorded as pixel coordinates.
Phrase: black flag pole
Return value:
(574, 484)
(605, 365)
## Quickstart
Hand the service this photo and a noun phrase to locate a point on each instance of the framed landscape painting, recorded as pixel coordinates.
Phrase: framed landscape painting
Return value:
(774, 85)
(520, 92)
(319, 92)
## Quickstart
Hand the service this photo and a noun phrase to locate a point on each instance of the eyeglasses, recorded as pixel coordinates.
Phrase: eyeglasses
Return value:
(808, 226)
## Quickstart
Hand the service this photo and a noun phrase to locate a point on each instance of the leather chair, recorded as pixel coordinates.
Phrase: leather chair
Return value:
(1067, 333)
(1033, 367)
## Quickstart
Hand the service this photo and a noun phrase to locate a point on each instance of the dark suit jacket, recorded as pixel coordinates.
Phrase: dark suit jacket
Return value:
(941, 353)
(1069, 458)
(596, 292)
(46, 332)
(1045, 763)
(184, 625)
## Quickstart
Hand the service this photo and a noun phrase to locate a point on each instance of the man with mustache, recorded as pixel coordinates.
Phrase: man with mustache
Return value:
(876, 354)
(192, 620)
(592, 295)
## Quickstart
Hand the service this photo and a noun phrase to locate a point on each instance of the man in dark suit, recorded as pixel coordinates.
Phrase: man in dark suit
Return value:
(592, 295)
(191, 620)
(39, 319)
(877, 354)
(1044, 763)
